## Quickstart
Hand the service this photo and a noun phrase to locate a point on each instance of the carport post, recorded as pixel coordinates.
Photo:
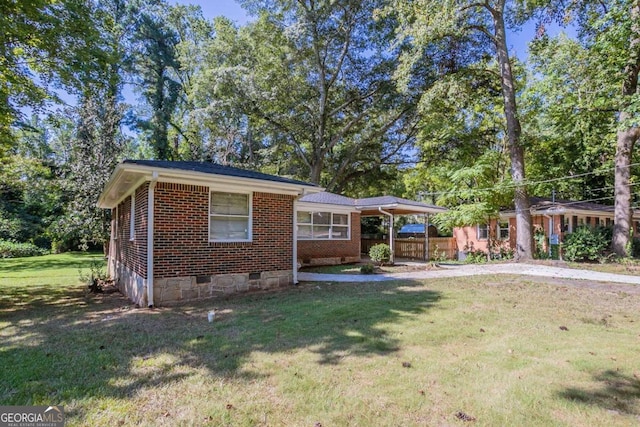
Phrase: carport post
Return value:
(391, 236)
(426, 237)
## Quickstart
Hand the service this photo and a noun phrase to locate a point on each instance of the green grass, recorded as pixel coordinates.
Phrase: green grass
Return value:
(393, 353)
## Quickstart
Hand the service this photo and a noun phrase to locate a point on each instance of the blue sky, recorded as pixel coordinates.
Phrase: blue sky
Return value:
(518, 41)
(213, 8)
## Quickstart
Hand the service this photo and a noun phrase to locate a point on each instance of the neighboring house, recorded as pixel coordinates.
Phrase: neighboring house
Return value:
(189, 230)
(555, 218)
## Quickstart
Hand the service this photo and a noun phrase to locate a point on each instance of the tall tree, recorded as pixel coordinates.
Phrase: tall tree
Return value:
(95, 142)
(313, 81)
(569, 105)
(628, 134)
(42, 42)
(479, 25)
(155, 65)
(610, 31)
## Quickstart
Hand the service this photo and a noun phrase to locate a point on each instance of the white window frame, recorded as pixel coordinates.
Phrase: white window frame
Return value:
(115, 224)
(249, 216)
(486, 227)
(330, 225)
(132, 219)
(499, 229)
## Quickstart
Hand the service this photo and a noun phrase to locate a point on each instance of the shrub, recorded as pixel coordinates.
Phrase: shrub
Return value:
(9, 249)
(367, 269)
(96, 277)
(380, 253)
(587, 244)
(476, 257)
(540, 240)
(439, 255)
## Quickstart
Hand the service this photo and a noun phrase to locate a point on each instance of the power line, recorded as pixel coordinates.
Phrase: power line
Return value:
(530, 183)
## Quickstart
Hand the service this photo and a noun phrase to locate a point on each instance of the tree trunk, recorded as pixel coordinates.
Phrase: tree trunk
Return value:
(626, 139)
(316, 171)
(524, 239)
(622, 210)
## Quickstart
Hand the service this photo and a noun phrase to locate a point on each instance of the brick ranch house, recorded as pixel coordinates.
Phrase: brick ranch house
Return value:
(555, 218)
(184, 231)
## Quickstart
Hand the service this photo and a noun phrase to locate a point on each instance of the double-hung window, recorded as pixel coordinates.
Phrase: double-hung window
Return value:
(483, 231)
(132, 218)
(229, 217)
(322, 225)
(503, 231)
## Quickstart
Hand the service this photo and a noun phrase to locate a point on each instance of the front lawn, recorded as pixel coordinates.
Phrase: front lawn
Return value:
(500, 350)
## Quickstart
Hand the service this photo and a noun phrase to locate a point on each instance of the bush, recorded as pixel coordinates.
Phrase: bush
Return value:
(587, 244)
(380, 253)
(540, 240)
(9, 249)
(476, 257)
(438, 255)
(367, 269)
(96, 277)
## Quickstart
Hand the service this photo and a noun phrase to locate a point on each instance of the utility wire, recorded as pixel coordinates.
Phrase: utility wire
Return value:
(529, 183)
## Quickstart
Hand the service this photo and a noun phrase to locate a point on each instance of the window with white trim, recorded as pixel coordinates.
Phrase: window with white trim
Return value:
(132, 218)
(503, 230)
(323, 226)
(229, 217)
(483, 231)
(115, 224)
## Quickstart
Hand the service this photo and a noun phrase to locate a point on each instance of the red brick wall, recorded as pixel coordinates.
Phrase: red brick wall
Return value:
(310, 249)
(133, 253)
(182, 246)
(467, 237)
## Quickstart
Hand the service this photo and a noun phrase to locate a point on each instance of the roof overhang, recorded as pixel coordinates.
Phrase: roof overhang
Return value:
(561, 210)
(324, 207)
(127, 177)
(398, 209)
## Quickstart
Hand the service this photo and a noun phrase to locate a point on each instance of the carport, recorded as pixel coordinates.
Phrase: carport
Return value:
(391, 207)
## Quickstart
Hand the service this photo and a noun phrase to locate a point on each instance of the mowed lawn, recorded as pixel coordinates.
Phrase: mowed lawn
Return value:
(474, 351)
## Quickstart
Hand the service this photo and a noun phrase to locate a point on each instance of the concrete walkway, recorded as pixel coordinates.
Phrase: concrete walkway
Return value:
(474, 270)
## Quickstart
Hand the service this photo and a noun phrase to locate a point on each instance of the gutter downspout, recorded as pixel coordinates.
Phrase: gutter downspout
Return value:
(295, 241)
(150, 218)
(391, 238)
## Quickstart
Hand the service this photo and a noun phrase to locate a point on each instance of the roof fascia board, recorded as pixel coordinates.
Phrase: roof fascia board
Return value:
(400, 206)
(318, 207)
(570, 211)
(200, 178)
(210, 177)
(108, 187)
(102, 203)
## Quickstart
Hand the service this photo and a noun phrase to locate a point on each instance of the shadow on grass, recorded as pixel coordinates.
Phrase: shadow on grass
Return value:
(617, 392)
(62, 346)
